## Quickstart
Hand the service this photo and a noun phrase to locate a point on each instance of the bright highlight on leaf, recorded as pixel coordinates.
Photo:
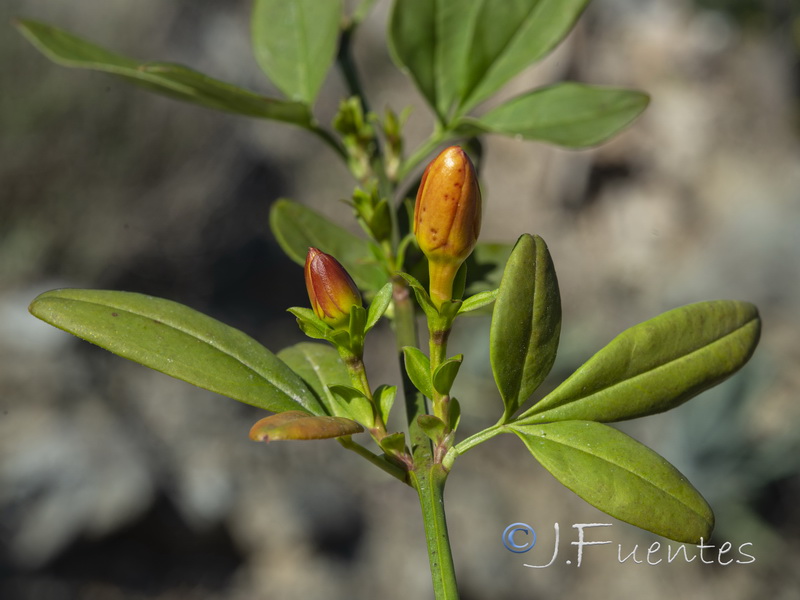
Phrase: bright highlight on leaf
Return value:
(297, 425)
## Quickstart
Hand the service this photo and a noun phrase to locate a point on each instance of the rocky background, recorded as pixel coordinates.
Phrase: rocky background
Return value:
(121, 483)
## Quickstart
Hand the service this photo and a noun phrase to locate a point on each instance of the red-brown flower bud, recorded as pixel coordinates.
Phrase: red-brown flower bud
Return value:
(331, 290)
(447, 217)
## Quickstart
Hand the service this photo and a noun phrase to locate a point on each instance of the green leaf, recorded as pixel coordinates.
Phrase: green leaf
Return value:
(379, 304)
(394, 444)
(181, 342)
(173, 80)
(418, 367)
(432, 426)
(319, 366)
(297, 425)
(478, 301)
(311, 324)
(656, 365)
(298, 228)
(295, 43)
(526, 323)
(445, 374)
(460, 52)
(621, 477)
(384, 399)
(354, 403)
(568, 114)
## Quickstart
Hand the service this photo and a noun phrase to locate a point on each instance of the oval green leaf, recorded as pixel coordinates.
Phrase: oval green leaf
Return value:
(298, 425)
(418, 368)
(298, 228)
(569, 114)
(320, 366)
(656, 365)
(175, 81)
(445, 374)
(526, 323)
(179, 341)
(621, 477)
(295, 43)
(460, 52)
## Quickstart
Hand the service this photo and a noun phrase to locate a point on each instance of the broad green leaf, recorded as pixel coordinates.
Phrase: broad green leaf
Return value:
(319, 366)
(460, 52)
(173, 80)
(354, 403)
(445, 374)
(621, 477)
(297, 228)
(295, 43)
(526, 323)
(181, 342)
(298, 425)
(418, 367)
(656, 365)
(568, 114)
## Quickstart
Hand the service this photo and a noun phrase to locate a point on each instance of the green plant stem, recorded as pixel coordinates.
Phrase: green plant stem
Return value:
(437, 346)
(429, 480)
(405, 329)
(329, 139)
(478, 438)
(376, 460)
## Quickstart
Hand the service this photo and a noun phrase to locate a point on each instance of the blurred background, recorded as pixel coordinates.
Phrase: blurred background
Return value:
(120, 483)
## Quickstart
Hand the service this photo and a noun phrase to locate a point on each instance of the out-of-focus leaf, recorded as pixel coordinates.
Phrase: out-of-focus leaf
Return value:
(485, 267)
(526, 323)
(621, 477)
(569, 114)
(298, 425)
(656, 365)
(179, 341)
(173, 80)
(298, 228)
(460, 52)
(320, 366)
(295, 43)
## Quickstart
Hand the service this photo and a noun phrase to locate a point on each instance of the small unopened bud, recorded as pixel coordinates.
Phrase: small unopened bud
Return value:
(447, 218)
(331, 290)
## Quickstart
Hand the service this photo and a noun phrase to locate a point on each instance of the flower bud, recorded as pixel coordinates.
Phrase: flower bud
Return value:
(447, 218)
(331, 290)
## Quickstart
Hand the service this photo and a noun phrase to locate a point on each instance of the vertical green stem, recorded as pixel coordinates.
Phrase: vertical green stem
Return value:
(406, 335)
(429, 480)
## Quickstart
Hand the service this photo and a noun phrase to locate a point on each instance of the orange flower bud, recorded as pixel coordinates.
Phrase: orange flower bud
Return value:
(331, 290)
(447, 217)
